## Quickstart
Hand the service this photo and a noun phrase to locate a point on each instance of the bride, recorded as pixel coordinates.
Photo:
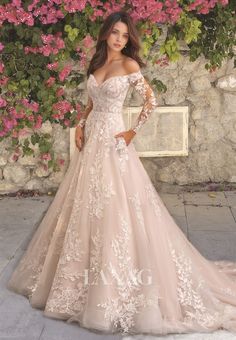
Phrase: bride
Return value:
(107, 253)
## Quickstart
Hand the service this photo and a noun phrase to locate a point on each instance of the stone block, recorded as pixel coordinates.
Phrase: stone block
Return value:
(210, 218)
(227, 83)
(200, 84)
(215, 245)
(16, 173)
(34, 184)
(229, 102)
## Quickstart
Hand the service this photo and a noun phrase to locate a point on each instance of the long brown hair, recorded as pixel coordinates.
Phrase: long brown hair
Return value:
(132, 47)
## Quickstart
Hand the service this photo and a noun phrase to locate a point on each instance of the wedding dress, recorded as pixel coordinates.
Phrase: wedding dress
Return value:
(107, 253)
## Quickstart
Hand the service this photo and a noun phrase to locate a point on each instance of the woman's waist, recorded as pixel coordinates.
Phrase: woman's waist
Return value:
(115, 110)
(105, 122)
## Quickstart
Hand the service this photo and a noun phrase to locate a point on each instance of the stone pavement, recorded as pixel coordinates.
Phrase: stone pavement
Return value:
(207, 218)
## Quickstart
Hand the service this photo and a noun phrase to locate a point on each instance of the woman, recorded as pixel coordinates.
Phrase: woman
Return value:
(108, 254)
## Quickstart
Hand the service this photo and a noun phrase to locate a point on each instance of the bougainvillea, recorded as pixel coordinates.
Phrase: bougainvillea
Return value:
(45, 47)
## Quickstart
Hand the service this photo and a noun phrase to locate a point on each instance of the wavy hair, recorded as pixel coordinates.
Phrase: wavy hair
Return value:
(132, 47)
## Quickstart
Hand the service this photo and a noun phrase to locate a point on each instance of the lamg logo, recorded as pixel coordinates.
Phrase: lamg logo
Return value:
(134, 277)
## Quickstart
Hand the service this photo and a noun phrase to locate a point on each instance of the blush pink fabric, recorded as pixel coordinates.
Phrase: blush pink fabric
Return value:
(107, 253)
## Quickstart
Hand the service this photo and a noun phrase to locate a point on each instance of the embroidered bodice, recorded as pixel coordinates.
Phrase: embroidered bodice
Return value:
(109, 96)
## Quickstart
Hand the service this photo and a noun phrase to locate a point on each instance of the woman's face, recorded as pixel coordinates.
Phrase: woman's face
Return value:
(118, 37)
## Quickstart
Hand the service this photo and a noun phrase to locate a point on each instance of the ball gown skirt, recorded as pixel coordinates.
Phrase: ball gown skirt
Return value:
(108, 254)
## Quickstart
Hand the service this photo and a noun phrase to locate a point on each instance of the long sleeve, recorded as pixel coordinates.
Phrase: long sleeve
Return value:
(138, 81)
(85, 113)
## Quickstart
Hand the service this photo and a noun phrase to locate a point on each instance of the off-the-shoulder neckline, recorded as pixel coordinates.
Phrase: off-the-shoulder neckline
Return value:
(118, 76)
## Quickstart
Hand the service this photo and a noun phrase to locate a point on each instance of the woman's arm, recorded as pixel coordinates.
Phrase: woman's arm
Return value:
(86, 112)
(141, 85)
(150, 102)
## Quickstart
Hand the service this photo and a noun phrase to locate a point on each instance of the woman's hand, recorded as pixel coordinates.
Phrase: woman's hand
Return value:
(127, 135)
(79, 137)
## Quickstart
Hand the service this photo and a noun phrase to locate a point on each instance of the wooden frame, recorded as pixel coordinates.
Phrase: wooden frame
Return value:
(170, 123)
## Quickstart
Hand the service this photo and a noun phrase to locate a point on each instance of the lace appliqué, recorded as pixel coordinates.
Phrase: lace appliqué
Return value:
(77, 208)
(70, 287)
(189, 296)
(137, 205)
(122, 151)
(120, 311)
(95, 259)
(138, 81)
(152, 197)
(99, 190)
(35, 265)
(68, 293)
(228, 291)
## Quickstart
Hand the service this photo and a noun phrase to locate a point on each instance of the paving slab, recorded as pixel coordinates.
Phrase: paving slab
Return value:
(231, 198)
(218, 335)
(205, 198)
(210, 218)
(18, 319)
(60, 330)
(172, 199)
(215, 245)
(233, 210)
(20, 217)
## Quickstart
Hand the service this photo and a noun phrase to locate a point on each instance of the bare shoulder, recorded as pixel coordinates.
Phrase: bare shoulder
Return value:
(131, 65)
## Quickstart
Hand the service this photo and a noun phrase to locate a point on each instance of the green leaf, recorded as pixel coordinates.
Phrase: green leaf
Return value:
(67, 28)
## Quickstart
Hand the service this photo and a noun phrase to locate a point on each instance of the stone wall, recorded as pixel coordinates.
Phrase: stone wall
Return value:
(211, 98)
(25, 173)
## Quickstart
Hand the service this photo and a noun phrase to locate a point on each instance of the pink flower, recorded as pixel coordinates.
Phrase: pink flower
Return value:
(53, 66)
(57, 116)
(50, 81)
(83, 59)
(62, 107)
(38, 123)
(34, 107)
(1, 47)
(15, 157)
(60, 92)
(23, 132)
(61, 161)
(88, 41)
(47, 39)
(46, 50)
(16, 3)
(13, 112)
(9, 123)
(20, 115)
(66, 122)
(30, 118)
(28, 49)
(46, 156)
(1, 67)
(73, 6)
(65, 72)
(33, 5)
(14, 134)
(4, 80)
(47, 12)
(3, 102)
